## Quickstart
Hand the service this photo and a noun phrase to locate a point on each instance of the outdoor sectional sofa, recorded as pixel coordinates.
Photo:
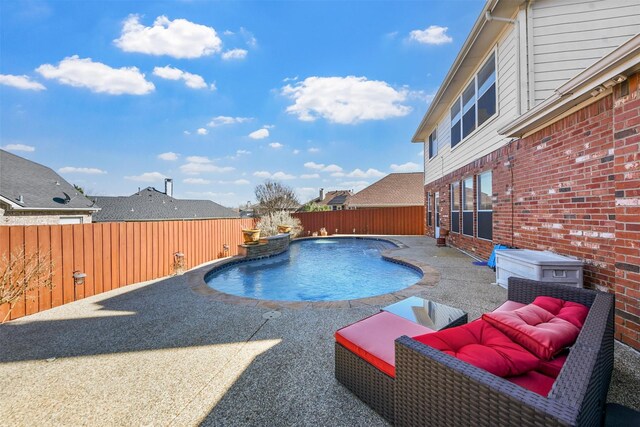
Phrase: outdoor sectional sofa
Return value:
(429, 387)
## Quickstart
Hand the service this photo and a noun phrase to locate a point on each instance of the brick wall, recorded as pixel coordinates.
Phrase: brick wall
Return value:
(573, 188)
(9, 217)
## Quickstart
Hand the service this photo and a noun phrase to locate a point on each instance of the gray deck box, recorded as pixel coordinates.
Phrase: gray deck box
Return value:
(542, 266)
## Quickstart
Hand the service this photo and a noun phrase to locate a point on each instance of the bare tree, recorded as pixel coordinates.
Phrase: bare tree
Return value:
(273, 196)
(21, 273)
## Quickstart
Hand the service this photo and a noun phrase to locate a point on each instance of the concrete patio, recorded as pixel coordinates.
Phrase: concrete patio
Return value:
(158, 353)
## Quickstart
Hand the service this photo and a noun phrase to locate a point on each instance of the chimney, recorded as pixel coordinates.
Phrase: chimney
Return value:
(321, 194)
(168, 187)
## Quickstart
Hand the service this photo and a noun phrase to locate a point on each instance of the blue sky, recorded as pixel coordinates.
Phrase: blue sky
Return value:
(219, 96)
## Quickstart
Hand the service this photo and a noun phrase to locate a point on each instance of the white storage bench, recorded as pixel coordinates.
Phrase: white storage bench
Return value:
(542, 266)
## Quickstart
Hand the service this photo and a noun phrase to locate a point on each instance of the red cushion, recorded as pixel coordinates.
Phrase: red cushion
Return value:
(509, 305)
(552, 367)
(481, 345)
(534, 381)
(373, 338)
(566, 310)
(535, 329)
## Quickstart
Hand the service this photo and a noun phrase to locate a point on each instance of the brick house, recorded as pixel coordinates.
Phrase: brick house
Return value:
(33, 194)
(533, 141)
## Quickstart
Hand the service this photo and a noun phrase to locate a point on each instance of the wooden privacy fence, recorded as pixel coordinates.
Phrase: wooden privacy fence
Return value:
(113, 255)
(403, 220)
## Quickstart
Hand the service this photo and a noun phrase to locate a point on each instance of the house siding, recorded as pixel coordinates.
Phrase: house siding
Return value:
(573, 188)
(484, 139)
(570, 36)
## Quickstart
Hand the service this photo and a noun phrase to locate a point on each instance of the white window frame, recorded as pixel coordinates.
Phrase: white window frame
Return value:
(463, 202)
(433, 142)
(479, 198)
(459, 101)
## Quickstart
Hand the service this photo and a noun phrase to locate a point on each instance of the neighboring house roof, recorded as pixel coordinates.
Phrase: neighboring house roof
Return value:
(150, 204)
(27, 185)
(332, 198)
(395, 189)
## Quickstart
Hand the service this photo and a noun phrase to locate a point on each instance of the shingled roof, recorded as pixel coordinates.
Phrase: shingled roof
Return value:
(395, 189)
(150, 204)
(27, 185)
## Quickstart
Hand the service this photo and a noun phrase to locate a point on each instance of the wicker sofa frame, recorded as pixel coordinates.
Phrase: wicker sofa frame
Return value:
(433, 388)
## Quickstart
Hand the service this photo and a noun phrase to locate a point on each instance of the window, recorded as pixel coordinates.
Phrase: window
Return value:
(71, 220)
(455, 207)
(467, 207)
(433, 144)
(476, 104)
(429, 210)
(485, 206)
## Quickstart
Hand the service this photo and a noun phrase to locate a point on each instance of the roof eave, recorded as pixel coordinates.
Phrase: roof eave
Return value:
(622, 61)
(481, 22)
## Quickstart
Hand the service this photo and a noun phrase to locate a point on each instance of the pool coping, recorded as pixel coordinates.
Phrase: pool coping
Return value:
(430, 277)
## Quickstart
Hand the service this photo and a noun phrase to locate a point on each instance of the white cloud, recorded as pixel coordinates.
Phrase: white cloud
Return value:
(234, 54)
(369, 173)
(262, 174)
(202, 131)
(332, 168)
(420, 153)
(306, 193)
(147, 177)
(290, 79)
(313, 150)
(20, 82)
(19, 147)
(186, 132)
(322, 167)
(226, 120)
(200, 164)
(170, 156)
(276, 175)
(406, 167)
(178, 38)
(228, 33)
(353, 184)
(242, 152)
(338, 174)
(296, 151)
(248, 37)
(198, 159)
(259, 134)
(433, 35)
(196, 181)
(345, 100)
(276, 145)
(193, 81)
(97, 77)
(282, 175)
(241, 182)
(197, 168)
(88, 171)
(314, 165)
(309, 176)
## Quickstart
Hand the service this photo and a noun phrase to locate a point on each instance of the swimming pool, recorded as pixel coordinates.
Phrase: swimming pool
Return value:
(327, 269)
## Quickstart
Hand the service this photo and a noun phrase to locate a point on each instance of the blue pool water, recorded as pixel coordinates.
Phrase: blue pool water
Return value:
(317, 270)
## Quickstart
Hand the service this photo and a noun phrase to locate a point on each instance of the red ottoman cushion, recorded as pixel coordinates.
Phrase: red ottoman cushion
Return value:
(481, 345)
(373, 338)
(536, 329)
(534, 381)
